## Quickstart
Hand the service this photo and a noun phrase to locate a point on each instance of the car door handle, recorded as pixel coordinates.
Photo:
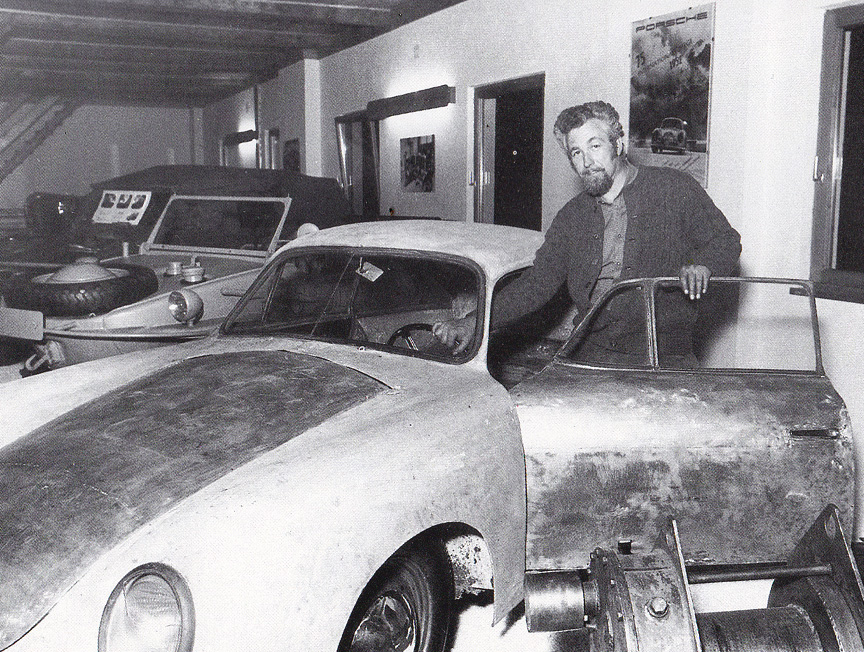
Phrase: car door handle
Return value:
(822, 433)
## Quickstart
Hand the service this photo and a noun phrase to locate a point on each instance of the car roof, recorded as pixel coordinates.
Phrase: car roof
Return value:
(498, 249)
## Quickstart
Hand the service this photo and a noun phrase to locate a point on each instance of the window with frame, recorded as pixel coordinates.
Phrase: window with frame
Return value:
(837, 257)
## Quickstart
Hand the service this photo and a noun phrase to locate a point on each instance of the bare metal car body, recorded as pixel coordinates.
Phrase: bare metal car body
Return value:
(144, 322)
(223, 221)
(278, 466)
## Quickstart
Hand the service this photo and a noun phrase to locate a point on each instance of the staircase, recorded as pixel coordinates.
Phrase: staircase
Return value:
(25, 123)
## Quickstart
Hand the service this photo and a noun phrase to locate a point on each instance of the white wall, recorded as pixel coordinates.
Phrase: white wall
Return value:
(291, 102)
(764, 114)
(98, 142)
(282, 103)
(233, 114)
(312, 153)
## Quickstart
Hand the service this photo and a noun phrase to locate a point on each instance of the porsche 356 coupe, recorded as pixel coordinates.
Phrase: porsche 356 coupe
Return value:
(322, 474)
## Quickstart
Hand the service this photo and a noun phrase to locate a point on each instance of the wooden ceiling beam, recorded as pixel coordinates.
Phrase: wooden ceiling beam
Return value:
(88, 29)
(372, 13)
(130, 52)
(130, 97)
(149, 78)
(270, 16)
(146, 80)
(254, 46)
(156, 90)
(46, 64)
(324, 35)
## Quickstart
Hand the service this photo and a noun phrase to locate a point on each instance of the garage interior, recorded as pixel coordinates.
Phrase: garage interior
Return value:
(97, 89)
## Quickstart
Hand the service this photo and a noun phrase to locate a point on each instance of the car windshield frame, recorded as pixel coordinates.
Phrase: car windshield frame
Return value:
(152, 246)
(274, 269)
(648, 289)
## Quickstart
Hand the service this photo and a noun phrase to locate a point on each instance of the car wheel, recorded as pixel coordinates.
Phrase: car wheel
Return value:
(405, 608)
(81, 298)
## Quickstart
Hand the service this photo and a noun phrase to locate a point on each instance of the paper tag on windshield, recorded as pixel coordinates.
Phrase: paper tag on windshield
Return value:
(369, 271)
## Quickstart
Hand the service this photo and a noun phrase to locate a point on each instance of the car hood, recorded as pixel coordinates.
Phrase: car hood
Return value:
(77, 486)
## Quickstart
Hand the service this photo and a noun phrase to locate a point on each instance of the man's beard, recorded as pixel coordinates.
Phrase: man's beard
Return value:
(596, 183)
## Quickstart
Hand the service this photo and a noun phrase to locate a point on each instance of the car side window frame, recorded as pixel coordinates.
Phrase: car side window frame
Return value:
(645, 290)
(272, 273)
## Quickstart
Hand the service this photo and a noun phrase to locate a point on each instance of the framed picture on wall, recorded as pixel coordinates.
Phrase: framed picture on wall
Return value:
(670, 84)
(417, 155)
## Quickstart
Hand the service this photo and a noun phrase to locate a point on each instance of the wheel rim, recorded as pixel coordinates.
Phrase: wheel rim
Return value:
(389, 625)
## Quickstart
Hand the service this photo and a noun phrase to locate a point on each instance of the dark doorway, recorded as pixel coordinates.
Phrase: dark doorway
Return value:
(358, 159)
(519, 159)
(510, 173)
(850, 228)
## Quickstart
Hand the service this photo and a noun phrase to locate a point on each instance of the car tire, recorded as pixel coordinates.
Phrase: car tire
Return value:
(406, 606)
(83, 297)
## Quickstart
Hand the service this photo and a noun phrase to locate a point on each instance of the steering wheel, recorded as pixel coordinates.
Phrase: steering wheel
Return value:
(407, 332)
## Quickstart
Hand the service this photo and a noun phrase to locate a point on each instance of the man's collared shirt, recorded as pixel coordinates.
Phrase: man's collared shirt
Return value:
(614, 231)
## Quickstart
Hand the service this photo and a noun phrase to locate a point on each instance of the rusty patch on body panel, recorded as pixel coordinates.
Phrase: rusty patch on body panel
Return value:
(470, 563)
(732, 504)
(77, 486)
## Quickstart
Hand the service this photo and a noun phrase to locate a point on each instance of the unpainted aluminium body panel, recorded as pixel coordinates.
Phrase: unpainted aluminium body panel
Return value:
(744, 462)
(79, 485)
(311, 519)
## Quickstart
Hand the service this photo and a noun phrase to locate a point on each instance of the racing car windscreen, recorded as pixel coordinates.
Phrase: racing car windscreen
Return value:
(220, 223)
(368, 298)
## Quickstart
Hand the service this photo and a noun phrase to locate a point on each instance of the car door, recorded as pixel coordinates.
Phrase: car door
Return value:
(721, 418)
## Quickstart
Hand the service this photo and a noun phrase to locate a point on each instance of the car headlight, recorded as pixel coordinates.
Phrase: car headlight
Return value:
(185, 306)
(150, 610)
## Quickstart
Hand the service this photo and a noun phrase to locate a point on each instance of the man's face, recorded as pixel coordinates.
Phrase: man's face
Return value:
(593, 156)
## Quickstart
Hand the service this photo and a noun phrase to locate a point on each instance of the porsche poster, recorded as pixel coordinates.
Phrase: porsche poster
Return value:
(670, 84)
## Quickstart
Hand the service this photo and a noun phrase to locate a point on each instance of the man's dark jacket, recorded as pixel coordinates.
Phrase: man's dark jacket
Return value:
(671, 221)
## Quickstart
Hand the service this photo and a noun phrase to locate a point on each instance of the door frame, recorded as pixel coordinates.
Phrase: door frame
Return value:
(485, 97)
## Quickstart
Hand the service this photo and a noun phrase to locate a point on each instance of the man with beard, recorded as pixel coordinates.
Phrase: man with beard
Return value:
(628, 222)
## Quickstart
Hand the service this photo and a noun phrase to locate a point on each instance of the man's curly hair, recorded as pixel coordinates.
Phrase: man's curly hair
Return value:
(575, 116)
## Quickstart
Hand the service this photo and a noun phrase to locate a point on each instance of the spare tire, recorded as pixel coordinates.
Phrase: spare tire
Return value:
(81, 298)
